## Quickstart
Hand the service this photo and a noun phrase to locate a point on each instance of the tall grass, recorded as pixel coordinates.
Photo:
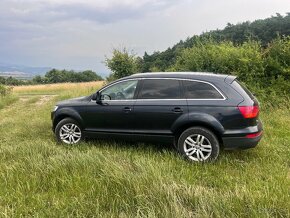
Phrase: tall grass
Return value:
(7, 100)
(58, 88)
(41, 178)
(6, 97)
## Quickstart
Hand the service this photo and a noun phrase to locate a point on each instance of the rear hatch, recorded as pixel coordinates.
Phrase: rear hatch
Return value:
(249, 107)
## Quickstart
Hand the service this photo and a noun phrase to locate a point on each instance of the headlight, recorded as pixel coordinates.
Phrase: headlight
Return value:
(54, 108)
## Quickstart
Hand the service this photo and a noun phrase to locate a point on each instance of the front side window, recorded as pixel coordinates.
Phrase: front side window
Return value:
(120, 91)
(200, 90)
(160, 89)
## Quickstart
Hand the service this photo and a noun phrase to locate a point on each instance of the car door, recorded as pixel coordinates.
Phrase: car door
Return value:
(114, 113)
(159, 104)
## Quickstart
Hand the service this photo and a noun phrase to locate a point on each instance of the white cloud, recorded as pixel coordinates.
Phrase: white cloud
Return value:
(79, 33)
(96, 3)
(44, 12)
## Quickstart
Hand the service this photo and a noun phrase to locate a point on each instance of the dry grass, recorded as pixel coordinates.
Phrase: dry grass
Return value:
(48, 88)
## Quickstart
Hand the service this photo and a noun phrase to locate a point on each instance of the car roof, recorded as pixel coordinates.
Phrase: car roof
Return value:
(207, 76)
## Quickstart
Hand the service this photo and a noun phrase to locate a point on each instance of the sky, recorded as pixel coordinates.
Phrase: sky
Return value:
(79, 34)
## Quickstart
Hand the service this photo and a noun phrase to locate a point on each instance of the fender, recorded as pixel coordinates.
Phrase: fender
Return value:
(68, 112)
(198, 119)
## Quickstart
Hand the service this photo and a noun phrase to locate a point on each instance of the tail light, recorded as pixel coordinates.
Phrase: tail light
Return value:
(249, 111)
(254, 135)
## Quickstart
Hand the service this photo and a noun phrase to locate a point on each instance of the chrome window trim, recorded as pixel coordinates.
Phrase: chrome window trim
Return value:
(115, 100)
(161, 99)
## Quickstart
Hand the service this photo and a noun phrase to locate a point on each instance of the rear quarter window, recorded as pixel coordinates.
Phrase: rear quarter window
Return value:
(200, 90)
(242, 89)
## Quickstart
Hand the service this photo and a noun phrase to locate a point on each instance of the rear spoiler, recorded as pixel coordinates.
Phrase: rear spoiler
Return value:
(230, 79)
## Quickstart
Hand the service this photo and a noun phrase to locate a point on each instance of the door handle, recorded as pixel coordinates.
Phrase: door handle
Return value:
(177, 110)
(127, 109)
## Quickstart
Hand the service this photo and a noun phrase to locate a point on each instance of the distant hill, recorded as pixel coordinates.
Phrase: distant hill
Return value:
(21, 72)
(27, 72)
(262, 30)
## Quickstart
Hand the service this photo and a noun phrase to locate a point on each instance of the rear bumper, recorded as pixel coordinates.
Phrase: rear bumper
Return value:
(232, 143)
(244, 139)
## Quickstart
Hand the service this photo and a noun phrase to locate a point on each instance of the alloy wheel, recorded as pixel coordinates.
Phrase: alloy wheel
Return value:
(197, 147)
(70, 133)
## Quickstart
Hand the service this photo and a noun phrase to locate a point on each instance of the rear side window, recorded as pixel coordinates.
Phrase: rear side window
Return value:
(200, 90)
(242, 89)
(160, 89)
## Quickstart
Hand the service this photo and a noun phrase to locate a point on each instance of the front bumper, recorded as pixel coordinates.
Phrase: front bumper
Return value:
(52, 120)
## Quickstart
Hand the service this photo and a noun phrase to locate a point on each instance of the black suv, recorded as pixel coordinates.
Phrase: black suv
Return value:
(197, 112)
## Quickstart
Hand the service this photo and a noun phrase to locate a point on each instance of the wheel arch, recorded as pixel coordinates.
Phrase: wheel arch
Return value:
(209, 123)
(67, 114)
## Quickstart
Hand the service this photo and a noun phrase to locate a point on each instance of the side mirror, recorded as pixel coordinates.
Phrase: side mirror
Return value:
(98, 98)
(94, 96)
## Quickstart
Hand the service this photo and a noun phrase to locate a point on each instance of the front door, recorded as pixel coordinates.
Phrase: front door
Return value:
(115, 112)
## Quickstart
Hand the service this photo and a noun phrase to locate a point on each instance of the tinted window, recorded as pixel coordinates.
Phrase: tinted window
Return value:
(120, 91)
(200, 90)
(242, 88)
(160, 89)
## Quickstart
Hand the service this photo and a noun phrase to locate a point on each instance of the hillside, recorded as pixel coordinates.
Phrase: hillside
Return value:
(20, 71)
(261, 30)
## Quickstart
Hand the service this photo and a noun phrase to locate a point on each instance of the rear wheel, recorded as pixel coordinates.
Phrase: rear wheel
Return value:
(198, 144)
(68, 131)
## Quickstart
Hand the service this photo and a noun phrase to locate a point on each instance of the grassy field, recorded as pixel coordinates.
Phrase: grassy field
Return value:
(7, 100)
(41, 178)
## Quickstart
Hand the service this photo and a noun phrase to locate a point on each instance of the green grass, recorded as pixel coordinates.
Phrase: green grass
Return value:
(41, 178)
(7, 100)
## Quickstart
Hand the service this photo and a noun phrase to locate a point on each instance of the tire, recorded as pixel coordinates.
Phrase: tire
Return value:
(198, 144)
(68, 131)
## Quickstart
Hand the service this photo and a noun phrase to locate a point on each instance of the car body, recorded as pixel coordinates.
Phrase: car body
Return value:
(160, 107)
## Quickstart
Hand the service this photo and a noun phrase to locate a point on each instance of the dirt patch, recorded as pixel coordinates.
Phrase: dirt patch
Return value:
(44, 98)
(24, 98)
(39, 99)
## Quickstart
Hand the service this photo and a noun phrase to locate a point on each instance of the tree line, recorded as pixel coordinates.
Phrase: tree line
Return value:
(265, 70)
(54, 76)
(263, 31)
(261, 62)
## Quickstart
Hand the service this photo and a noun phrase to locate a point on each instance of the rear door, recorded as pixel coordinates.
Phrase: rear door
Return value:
(159, 104)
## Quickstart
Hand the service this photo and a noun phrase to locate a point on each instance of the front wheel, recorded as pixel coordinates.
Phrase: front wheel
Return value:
(198, 144)
(68, 131)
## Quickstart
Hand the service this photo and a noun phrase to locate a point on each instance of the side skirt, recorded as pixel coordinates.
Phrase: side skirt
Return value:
(131, 137)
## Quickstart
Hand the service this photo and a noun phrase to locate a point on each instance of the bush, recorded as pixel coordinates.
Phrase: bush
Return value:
(277, 59)
(6, 97)
(245, 61)
(4, 91)
(123, 63)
